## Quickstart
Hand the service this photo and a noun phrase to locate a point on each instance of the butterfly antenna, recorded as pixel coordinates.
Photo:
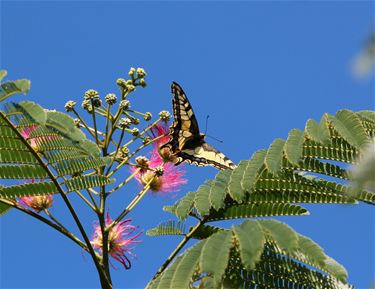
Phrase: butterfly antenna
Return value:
(205, 131)
(214, 138)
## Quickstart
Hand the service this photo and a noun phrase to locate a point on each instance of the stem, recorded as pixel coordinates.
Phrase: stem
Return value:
(178, 248)
(85, 200)
(94, 121)
(131, 205)
(117, 149)
(126, 181)
(132, 154)
(83, 122)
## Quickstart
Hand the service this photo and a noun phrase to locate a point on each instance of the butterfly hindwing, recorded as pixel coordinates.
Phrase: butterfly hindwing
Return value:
(186, 142)
(206, 155)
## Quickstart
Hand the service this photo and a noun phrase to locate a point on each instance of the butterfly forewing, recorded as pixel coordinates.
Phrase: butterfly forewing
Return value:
(186, 141)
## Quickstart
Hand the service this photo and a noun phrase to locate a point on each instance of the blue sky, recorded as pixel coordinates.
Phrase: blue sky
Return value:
(257, 68)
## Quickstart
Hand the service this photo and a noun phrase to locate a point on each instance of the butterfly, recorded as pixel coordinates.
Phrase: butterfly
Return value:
(186, 142)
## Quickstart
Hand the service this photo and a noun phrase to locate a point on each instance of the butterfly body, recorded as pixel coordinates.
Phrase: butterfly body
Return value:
(187, 143)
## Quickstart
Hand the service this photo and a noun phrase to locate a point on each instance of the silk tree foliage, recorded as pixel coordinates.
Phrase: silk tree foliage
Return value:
(274, 182)
(310, 166)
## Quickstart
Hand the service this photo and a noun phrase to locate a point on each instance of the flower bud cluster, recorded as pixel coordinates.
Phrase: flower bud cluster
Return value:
(165, 116)
(93, 96)
(70, 105)
(111, 98)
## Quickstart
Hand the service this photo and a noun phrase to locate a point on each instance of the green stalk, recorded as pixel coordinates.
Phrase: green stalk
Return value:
(178, 248)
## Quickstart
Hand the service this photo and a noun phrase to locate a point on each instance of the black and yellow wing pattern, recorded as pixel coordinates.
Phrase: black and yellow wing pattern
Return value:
(186, 142)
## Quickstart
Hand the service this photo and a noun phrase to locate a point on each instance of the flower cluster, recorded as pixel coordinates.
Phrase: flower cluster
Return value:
(162, 175)
(119, 241)
(37, 203)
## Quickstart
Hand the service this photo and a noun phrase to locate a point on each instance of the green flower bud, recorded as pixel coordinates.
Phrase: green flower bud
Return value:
(121, 82)
(91, 94)
(96, 102)
(122, 154)
(146, 140)
(77, 122)
(69, 106)
(147, 116)
(86, 104)
(135, 120)
(130, 87)
(141, 72)
(142, 82)
(135, 131)
(124, 104)
(165, 116)
(131, 71)
(124, 123)
(111, 98)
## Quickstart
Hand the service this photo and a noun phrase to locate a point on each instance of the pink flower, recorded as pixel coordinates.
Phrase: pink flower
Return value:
(166, 179)
(37, 203)
(118, 240)
(161, 173)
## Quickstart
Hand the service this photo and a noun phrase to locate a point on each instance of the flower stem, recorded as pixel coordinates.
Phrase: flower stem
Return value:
(178, 248)
(132, 204)
(125, 182)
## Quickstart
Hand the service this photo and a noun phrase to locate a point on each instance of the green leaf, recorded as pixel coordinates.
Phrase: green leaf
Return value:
(309, 252)
(251, 242)
(218, 190)
(12, 87)
(205, 231)
(281, 234)
(86, 182)
(29, 109)
(275, 155)
(257, 210)
(350, 128)
(318, 132)
(218, 245)
(22, 172)
(251, 170)
(3, 73)
(183, 207)
(69, 167)
(368, 114)
(294, 146)
(201, 200)
(4, 208)
(167, 228)
(184, 270)
(29, 189)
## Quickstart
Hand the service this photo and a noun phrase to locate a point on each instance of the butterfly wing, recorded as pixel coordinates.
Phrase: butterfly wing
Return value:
(186, 141)
(185, 125)
(206, 155)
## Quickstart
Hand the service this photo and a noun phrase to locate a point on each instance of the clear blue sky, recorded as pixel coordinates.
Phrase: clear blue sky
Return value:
(257, 68)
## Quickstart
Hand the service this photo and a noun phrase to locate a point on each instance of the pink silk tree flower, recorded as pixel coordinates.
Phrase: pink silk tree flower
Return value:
(160, 172)
(164, 179)
(37, 203)
(119, 241)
